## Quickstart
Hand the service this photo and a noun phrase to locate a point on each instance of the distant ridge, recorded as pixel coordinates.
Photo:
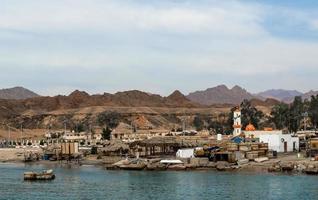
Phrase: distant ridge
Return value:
(280, 94)
(17, 93)
(220, 95)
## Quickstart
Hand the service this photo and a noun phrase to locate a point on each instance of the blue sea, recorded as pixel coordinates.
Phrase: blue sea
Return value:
(89, 182)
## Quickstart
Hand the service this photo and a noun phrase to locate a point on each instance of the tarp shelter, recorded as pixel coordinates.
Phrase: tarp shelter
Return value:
(185, 153)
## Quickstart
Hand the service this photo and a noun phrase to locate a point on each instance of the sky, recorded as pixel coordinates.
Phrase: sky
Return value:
(55, 47)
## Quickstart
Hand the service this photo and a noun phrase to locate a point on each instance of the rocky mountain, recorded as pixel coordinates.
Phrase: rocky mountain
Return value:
(308, 95)
(178, 98)
(80, 99)
(80, 106)
(280, 94)
(17, 93)
(220, 95)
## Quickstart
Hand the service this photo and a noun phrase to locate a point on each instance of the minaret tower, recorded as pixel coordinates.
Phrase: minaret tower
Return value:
(237, 125)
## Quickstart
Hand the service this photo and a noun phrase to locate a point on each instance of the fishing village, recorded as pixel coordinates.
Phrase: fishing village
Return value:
(247, 150)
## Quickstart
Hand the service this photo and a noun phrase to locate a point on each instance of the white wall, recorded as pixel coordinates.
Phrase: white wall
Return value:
(272, 140)
(275, 142)
(256, 134)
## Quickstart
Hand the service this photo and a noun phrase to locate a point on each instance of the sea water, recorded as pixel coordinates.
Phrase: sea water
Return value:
(89, 182)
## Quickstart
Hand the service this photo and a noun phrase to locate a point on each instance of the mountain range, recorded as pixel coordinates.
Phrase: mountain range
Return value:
(216, 95)
(20, 105)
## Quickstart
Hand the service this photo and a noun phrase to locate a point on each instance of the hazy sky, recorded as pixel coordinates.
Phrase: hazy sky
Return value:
(56, 46)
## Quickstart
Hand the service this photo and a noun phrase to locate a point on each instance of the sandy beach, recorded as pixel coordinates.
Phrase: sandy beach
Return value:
(15, 155)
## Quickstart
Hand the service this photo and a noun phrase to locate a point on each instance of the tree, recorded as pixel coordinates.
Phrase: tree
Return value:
(198, 123)
(216, 126)
(313, 110)
(79, 127)
(106, 133)
(295, 114)
(109, 119)
(249, 114)
(280, 116)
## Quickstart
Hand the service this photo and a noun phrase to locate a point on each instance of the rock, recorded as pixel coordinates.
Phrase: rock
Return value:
(301, 167)
(190, 166)
(222, 166)
(211, 165)
(122, 162)
(156, 166)
(287, 166)
(311, 166)
(243, 162)
(235, 167)
(275, 168)
(156, 160)
(261, 159)
(199, 162)
(177, 167)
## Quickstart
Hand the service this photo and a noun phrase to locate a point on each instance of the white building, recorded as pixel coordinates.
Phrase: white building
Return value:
(280, 142)
(237, 122)
(276, 139)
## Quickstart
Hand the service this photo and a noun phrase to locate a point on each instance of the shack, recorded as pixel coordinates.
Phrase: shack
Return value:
(185, 153)
(114, 148)
(168, 145)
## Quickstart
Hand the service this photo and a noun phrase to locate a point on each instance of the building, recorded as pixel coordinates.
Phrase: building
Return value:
(280, 142)
(237, 122)
(277, 140)
(129, 136)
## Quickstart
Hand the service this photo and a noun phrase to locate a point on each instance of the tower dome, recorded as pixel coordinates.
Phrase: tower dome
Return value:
(250, 127)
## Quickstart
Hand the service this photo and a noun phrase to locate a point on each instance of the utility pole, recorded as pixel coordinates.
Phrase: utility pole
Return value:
(305, 115)
(21, 129)
(64, 126)
(9, 135)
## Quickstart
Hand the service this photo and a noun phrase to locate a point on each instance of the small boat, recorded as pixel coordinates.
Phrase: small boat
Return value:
(44, 175)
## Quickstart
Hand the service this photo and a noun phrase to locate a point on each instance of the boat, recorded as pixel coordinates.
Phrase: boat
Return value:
(44, 175)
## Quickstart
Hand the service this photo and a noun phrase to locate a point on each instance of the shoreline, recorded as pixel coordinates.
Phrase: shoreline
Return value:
(250, 168)
(289, 163)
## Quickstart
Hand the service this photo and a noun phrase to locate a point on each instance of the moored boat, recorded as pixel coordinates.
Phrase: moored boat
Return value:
(44, 175)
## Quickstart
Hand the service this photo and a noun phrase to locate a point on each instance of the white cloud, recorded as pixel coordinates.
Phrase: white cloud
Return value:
(207, 37)
(116, 15)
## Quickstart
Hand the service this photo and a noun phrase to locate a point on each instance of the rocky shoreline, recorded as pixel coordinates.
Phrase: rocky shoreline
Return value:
(289, 164)
(303, 166)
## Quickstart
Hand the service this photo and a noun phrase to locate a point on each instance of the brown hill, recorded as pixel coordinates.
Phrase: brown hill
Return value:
(17, 93)
(266, 103)
(178, 98)
(79, 99)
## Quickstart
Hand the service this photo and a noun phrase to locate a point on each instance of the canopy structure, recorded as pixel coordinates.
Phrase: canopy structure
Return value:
(114, 147)
(170, 144)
